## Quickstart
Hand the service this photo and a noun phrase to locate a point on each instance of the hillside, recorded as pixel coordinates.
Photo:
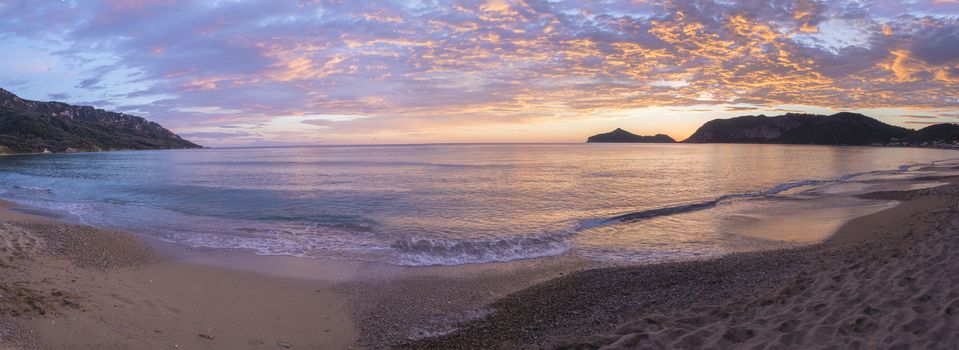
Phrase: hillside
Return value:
(837, 129)
(620, 135)
(941, 133)
(31, 127)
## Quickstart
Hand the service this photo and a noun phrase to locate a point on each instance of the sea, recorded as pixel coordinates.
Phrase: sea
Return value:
(451, 204)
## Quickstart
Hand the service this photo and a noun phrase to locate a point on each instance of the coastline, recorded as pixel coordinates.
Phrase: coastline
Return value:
(117, 291)
(76, 287)
(79, 287)
(950, 147)
(879, 281)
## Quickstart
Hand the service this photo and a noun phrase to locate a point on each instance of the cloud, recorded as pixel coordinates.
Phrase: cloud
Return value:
(215, 134)
(58, 96)
(89, 83)
(937, 46)
(740, 108)
(922, 122)
(410, 66)
(320, 122)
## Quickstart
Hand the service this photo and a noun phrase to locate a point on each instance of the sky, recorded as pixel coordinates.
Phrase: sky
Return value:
(272, 72)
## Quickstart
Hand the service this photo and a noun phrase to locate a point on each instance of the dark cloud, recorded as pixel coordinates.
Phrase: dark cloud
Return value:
(58, 96)
(938, 45)
(89, 83)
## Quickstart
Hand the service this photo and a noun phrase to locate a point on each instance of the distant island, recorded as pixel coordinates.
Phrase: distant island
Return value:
(844, 128)
(40, 127)
(838, 129)
(620, 135)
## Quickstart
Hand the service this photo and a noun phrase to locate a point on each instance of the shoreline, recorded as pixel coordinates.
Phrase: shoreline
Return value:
(117, 291)
(744, 300)
(77, 287)
(81, 287)
(486, 143)
(510, 239)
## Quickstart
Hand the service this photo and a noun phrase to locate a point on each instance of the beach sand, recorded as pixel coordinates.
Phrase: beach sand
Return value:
(889, 280)
(75, 287)
(885, 280)
(66, 286)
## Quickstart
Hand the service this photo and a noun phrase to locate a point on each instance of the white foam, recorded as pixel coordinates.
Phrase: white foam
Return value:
(423, 251)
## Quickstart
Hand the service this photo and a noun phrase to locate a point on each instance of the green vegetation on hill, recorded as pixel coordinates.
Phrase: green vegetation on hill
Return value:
(620, 135)
(32, 127)
(942, 133)
(837, 129)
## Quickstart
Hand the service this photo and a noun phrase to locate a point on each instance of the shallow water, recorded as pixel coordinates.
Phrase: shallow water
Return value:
(456, 204)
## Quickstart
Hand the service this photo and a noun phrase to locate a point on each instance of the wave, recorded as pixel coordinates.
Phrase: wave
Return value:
(355, 238)
(772, 191)
(33, 189)
(423, 251)
(330, 163)
(431, 251)
(72, 212)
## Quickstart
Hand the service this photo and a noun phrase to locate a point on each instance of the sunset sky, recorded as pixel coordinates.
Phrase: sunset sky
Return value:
(324, 72)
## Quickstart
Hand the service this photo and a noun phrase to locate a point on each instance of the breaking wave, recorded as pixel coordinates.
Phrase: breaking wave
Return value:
(421, 251)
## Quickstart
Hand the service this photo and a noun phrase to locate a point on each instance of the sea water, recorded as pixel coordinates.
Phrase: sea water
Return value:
(450, 204)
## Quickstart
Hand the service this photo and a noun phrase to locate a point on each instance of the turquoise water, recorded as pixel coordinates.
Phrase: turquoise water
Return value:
(442, 204)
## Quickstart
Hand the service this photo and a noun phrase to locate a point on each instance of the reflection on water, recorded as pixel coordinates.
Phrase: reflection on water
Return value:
(452, 204)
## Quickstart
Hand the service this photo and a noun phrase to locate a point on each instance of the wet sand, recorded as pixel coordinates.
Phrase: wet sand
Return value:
(66, 286)
(886, 280)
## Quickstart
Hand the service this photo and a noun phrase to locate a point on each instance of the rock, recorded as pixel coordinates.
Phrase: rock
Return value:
(620, 135)
(35, 127)
(838, 129)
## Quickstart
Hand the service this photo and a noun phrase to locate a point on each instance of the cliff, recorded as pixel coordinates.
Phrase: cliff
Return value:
(837, 129)
(31, 127)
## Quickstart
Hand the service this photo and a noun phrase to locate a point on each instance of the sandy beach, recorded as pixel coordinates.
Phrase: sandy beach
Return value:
(75, 287)
(884, 280)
